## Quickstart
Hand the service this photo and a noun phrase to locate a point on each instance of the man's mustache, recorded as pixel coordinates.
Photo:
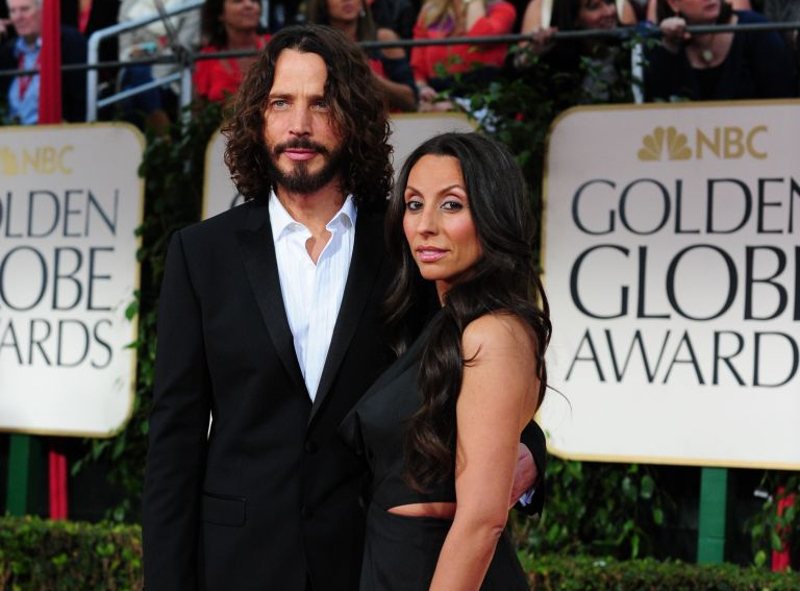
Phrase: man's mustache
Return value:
(300, 143)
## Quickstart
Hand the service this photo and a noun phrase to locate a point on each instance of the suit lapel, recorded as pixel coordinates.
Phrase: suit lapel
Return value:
(258, 253)
(364, 267)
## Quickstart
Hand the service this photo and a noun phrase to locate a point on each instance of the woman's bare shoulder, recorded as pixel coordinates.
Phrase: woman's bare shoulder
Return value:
(498, 333)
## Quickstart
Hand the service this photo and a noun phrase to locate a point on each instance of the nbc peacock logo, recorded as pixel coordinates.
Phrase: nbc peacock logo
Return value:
(654, 144)
(9, 165)
(728, 142)
(38, 160)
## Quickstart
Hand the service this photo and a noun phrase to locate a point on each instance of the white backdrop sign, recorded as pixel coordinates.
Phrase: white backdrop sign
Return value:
(672, 266)
(408, 131)
(70, 201)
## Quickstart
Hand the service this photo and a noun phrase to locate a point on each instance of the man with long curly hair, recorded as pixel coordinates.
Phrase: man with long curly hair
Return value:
(269, 323)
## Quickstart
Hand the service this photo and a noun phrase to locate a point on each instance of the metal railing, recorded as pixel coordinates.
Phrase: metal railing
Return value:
(181, 55)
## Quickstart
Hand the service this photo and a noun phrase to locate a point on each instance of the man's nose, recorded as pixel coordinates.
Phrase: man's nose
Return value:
(301, 121)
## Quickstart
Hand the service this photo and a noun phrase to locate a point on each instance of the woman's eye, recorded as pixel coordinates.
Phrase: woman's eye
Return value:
(452, 205)
(413, 205)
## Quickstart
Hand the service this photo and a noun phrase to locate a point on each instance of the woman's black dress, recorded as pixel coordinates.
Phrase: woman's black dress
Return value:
(400, 552)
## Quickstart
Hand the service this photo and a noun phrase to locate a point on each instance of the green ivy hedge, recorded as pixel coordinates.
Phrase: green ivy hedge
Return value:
(41, 555)
(561, 573)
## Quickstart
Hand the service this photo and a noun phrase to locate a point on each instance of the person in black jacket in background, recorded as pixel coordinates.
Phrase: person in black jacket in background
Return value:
(717, 66)
(21, 93)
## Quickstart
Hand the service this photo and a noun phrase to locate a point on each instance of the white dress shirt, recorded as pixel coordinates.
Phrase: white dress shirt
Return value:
(312, 294)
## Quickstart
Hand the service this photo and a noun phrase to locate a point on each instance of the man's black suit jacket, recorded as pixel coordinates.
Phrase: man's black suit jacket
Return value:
(272, 495)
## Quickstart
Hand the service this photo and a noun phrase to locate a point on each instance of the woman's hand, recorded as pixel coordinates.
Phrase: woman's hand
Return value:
(427, 97)
(541, 41)
(426, 92)
(525, 474)
(673, 33)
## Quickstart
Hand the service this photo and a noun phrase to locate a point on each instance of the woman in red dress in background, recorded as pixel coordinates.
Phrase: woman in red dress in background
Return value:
(457, 18)
(227, 25)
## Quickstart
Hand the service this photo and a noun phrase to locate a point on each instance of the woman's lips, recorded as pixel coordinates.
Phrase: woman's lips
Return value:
(429, 254)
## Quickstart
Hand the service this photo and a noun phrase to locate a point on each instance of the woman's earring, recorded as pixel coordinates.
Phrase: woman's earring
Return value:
(363, 13)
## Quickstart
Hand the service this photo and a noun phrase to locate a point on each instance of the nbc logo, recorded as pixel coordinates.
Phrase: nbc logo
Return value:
(42, 160)
(727, 143)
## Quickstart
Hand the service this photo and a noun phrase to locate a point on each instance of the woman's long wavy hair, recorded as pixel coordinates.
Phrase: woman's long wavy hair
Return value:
(503, 280)
(211, 28)
(318, 12)
(357, 109)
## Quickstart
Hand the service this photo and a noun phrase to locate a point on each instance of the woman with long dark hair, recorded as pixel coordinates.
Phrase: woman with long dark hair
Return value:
(440, 428)
(227, 25)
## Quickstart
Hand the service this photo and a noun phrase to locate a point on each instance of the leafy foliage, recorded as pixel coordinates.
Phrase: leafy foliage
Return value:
(555, 572)
(36, 554)
(69, 556)
(596, 509)
(770, 527)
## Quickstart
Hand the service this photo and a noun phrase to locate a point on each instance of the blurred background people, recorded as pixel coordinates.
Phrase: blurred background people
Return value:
(435, 65)
(397, 15)
(532, 20)
(154, 108)
(391, 66)
(717, 66)
(226, 25)
(21, 93)
(592, 66)
(657, 12)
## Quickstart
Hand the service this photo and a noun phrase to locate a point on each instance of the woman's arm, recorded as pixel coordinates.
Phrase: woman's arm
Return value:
(398, 84)
(628, 16)
(498, 396)
(419, 60)
(498, 19)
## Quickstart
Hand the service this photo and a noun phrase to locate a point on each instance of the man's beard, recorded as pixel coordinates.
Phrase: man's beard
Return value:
(300, 180)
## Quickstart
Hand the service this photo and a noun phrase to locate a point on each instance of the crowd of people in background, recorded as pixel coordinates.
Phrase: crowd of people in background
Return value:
(679, 65)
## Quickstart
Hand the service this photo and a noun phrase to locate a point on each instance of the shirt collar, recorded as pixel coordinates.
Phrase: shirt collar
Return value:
(21, 47)
(282, 222)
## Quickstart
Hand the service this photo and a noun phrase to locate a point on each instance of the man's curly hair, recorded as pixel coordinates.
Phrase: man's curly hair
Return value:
(358, 111)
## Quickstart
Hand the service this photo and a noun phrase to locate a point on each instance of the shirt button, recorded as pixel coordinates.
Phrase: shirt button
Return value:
(311, 447)
(306, 512)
